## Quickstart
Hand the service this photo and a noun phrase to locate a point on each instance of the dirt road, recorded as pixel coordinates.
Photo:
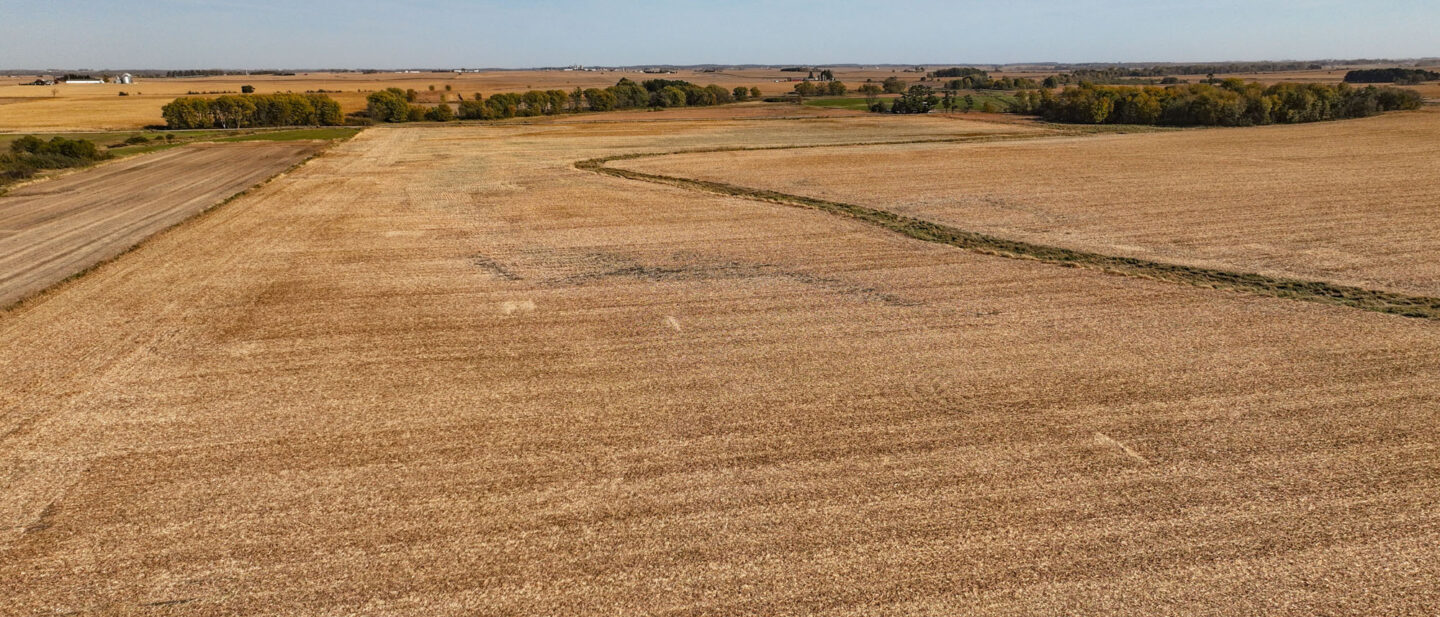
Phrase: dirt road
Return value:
(52, 229)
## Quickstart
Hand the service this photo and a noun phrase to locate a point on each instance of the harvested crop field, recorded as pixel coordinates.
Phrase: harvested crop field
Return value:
(52, 229)
(1342, 202)
(442, 371)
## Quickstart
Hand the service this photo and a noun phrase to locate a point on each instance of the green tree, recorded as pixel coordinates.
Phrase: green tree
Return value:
(672, 96)
(871, 92)
(440, 113)
(599, 100)
(388, 105)
(893, 85)
(836, 88)
(755, 93)
(740, 93)
(719, 95)
(919, 99)
(474, 110)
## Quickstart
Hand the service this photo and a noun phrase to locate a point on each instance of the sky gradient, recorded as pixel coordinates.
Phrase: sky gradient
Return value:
(182, 34)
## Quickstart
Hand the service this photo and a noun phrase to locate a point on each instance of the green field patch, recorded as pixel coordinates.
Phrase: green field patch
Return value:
(323, 134)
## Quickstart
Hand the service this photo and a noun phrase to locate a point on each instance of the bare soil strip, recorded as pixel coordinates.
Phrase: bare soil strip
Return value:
(920, 229)
(53, 230)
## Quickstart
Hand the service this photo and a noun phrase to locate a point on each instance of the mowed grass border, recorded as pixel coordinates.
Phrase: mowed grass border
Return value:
(37, 296)
(1423, 307)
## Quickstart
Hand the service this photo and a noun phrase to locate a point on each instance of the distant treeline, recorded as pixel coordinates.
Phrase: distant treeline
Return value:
(219, 72)
(969, 78)
(1231, 103)
(1390, 76)
(29, 154)
(1107, 76)
(825, 88)
(1204, 68)
(249, 110)
(396, 105)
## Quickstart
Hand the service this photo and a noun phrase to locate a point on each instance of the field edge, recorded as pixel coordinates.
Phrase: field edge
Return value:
(13, 308)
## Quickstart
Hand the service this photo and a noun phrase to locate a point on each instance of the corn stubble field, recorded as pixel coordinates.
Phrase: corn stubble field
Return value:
(442, 370)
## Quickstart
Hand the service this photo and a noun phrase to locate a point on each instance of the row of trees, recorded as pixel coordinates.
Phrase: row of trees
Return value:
(970, 78)
(29, 154)
(1390, 76)
(831, 88)
(396, 105)
(921, 99)
(1232, 102)
(250, 110)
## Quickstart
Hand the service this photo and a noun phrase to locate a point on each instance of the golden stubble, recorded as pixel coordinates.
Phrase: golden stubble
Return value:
(440, 371)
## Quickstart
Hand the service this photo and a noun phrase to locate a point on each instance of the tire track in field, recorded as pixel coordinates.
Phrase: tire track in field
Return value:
(1405, 305)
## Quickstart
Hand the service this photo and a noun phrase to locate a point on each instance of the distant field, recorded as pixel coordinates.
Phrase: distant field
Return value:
(1348, 202)
(52, 229)
(99, 106)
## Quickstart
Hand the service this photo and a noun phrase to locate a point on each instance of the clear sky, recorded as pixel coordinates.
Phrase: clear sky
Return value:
(178, 34)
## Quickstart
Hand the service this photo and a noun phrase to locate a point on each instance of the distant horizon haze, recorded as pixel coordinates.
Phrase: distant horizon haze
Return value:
(435, 34)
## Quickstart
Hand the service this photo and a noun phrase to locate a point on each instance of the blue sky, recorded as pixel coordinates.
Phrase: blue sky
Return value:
(452, 33)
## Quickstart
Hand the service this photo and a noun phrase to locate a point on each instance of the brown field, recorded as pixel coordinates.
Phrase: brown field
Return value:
(99, 106)
(442, 371)
(1344, 202)
(52, 229)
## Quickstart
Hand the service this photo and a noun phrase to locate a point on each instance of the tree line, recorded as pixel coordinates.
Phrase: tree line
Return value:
(1390, 76)
(922, 99)
(396, 105)
(251, 110)
(1232, 102)
(219, 72)
(30, 154)
(830, 88)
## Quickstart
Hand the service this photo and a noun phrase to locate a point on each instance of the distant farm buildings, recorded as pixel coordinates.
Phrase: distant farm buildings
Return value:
(46, 80)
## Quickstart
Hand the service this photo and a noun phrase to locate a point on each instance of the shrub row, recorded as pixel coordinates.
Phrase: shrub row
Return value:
(251, 110)
(1390, 76)
(1231, 103)
(396, 105)
(29, 154)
